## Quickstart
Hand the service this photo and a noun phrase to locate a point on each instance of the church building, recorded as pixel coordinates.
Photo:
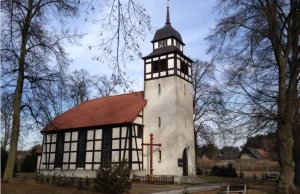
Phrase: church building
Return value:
(101, 132)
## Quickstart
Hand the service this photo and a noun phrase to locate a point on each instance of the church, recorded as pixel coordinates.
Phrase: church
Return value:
(152, 129)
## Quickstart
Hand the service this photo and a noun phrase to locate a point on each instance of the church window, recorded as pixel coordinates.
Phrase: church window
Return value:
(163, 65)
(59, 150)
(159, 121)
(81, 148)
(184, 90)
(106, 148)
(155, 67)
(159, 156)
(140, 132)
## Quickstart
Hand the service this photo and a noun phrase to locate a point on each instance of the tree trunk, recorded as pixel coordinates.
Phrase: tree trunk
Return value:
(16, 125)
(18, 98)
(297, 149)
(286, 161)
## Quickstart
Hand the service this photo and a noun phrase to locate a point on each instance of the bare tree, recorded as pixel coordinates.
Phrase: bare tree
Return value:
(6, 118)
(28, 44)
(79, 85)
(207, 101)
(258, 41)
(122, 26)
(105, 86)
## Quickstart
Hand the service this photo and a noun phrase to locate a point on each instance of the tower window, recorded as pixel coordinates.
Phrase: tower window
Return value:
(163, 65)
(184, 67)
(184, 90)
(155, 67)
(159, 121)
(158, 88)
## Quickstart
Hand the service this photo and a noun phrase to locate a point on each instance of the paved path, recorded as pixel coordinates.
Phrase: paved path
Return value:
(191, 189)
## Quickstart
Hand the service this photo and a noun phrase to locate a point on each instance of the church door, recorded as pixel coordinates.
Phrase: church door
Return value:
(185, 163)
(106, 148)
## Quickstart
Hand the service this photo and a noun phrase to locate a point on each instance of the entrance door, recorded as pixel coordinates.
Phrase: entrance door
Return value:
(185, 163)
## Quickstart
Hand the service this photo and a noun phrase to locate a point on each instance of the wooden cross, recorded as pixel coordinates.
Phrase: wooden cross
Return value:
(151, 144)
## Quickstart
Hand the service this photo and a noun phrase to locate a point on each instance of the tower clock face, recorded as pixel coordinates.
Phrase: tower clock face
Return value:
(178, 45)
(161, 43)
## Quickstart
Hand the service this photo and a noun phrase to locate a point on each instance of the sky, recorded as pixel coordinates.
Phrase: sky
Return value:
(193, 19)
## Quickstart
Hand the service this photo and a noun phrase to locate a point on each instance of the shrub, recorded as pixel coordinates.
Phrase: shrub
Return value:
(30, 160)
(87, 181)
(79, 184)
(48, 179)
(199, 171)
(185, 191)
(72, 181)
(228, 171)
(113, 180)
(241, 174)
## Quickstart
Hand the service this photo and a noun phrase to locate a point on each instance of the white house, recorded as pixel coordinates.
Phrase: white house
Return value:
(100, 132)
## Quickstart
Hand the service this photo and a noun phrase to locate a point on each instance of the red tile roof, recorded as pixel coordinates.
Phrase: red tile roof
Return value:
(101, 111)
(262, 152)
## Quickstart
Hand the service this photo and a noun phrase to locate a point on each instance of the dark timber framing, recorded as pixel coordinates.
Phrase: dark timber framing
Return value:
(129, 139)
(177, 67)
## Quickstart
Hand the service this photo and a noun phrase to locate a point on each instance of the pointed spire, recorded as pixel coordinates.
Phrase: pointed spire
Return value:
(168, 16)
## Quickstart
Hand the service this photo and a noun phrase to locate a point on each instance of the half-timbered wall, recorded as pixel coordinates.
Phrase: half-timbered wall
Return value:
(122, 142)
(176, 65)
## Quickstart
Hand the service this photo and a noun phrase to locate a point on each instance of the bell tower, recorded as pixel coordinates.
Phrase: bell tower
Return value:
(169, 111)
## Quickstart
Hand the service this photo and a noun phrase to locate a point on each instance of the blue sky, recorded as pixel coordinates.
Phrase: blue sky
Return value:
(192, 19)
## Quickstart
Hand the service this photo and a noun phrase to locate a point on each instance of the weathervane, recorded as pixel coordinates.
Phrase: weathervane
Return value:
(168, 3)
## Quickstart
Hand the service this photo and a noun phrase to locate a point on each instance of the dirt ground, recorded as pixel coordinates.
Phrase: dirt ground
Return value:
(31, 187)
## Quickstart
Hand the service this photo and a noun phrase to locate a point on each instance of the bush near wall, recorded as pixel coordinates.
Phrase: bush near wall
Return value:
(30, 160)
(113, 180)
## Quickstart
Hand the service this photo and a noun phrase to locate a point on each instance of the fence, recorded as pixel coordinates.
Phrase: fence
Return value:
(154, 179)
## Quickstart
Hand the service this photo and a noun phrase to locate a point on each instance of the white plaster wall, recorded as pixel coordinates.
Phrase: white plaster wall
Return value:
(185, 122)
(70, 173)
(161, 105)
(174, 108)
(138, 120)
(38, 162)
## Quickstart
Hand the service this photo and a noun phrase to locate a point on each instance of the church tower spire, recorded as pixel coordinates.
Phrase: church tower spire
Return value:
(168, 16)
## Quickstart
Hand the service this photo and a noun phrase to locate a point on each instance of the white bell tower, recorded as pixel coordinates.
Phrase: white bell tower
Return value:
(169, 111)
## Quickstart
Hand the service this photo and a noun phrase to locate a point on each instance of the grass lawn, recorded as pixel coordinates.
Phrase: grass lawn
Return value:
(31, 187)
